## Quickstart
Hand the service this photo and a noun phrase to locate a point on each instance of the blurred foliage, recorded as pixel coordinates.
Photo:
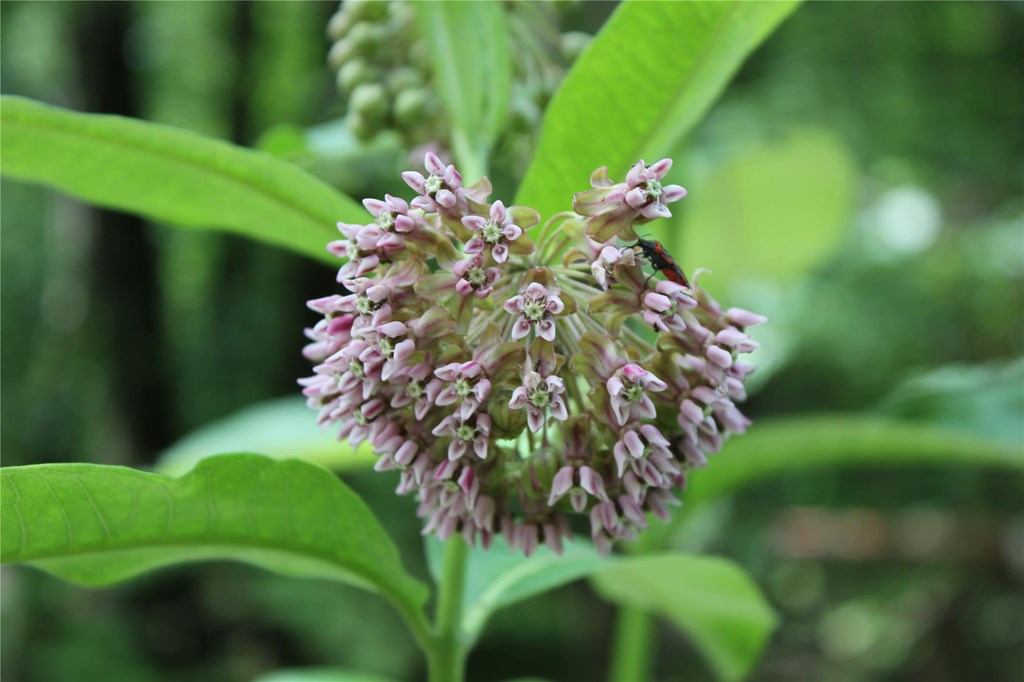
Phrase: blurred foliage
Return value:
(122, 338)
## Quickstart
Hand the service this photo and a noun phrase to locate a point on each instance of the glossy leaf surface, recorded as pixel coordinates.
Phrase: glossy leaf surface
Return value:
(644, 82)
(172, 176)
(97, 525)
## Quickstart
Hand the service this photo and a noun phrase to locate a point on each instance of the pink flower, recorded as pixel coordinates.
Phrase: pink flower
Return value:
(495, 233)
(615, 207)
(646, 193)
(540, 396)
(418, 388)
(565, 482)
(536, 306)
(465, 433)
(392, 349)
(474, 278)
(465, 384)
(628, 389)
(439, 190)
(607, 258)
(662, 305)
(635, 444)
(392, 214)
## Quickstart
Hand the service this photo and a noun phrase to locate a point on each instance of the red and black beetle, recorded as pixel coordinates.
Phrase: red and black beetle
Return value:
(662, 261)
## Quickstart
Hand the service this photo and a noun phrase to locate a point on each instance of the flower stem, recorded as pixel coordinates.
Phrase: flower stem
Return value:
(631, 646)
(447, 656)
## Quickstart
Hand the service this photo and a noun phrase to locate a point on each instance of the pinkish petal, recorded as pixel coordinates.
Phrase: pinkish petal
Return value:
(557, 409)
(498, 212)
(520, 329)
(445, 198)
(415, 180)
(658, 170)
(744, 318)
(519, 399)
(433, 164)
(636, 197)
(561, 484)
(635, 175)
(655, 210)
(670, 193)
(691, 411)
(474, 222)
(592, 482)
(719, 356)
(534, 418)
(513, 305)
(545, 329)
(633, 444)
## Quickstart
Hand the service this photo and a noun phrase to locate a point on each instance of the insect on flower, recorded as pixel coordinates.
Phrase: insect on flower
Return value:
(661, 260)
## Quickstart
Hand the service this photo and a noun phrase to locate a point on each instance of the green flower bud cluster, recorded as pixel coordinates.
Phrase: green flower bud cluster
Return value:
(381, 70)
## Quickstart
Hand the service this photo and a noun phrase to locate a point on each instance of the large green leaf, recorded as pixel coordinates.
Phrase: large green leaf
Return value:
(784, 447)
(171, 175)
(645, 81)
(97, 525)
(774, 212)
(499, 576)
(711, 600)
(282, 429)
(472, 72)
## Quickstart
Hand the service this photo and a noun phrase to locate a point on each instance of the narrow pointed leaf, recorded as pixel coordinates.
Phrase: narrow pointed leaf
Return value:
(97, 525)
(649, 76)
(710, 600)
(172, 176)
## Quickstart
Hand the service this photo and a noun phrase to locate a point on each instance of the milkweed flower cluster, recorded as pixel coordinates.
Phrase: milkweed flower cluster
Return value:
(513, 383)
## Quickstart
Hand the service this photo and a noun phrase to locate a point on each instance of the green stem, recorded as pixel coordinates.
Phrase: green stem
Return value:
(446, 657)
(631, 646)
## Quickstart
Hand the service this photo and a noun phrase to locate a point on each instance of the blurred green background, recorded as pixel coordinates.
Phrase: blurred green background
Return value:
(861, 182)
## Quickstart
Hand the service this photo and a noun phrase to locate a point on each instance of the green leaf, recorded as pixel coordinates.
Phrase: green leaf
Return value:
(499, 576)
(785, 447)
(774, 213)
(712, 601)
(97, 525)
(171, 176)
(281, 429)
(648, 77)
(993, 411)
(319, 675)
(469, 48)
